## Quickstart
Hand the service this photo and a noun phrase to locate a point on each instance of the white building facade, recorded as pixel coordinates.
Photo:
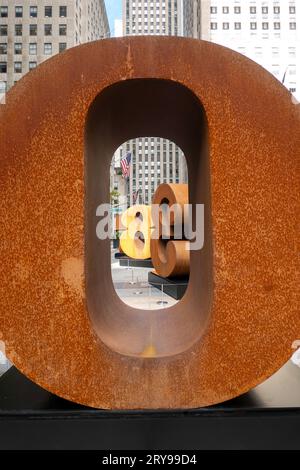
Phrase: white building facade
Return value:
(266, 31)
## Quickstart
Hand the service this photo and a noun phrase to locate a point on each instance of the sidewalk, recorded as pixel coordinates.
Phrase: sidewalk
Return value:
(131, 285)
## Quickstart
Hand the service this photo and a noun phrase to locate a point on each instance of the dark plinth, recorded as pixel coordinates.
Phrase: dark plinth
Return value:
(119, 255)
(173, 287)
(268, 417)
(133, 263)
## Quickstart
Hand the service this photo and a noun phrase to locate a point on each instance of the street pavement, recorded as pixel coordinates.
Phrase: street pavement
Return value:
(131, 285)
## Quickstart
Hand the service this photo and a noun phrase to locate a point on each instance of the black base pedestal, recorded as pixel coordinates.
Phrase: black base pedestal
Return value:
(173, 287)
(133, 263)
(268, 417)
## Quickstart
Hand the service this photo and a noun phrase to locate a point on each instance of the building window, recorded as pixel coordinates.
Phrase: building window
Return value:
(213, 10)
(47, 48)
(32, 65)
(237, 10)
(225, 10)
(63, 12)
(3, 48)
(33, 48)
(3, 12)
(276, 25)
(3, 29)
(33, 12)
(3, 67)
(264, 10)
(237, 25)
(18, 48)
(225, 25)
(265, 25)
(292, 10)
(19, 12)
(48, 12)
(276, 10)
(62, 29)
(3, 87)
(18, 67)
(213, 25)
(48, 29)
(18, 30)
(253, 25)
(33, 30)
(253, 10)
(292, 51)
(62, 46)
(292, 25)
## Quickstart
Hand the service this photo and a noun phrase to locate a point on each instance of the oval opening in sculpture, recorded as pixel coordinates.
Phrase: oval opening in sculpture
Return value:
(124, 111)
(135, 272)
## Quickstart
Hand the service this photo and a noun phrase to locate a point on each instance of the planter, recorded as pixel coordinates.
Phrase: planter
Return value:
(116, 243)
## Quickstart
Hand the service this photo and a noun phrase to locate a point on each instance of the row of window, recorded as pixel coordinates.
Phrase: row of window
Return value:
(253, 10)
(147, 145)
(145, 7)
(18, 48)
(18, 67)
(152, 30)
(253, 25)
(155, 162)
(153, 18)
(151, 2)
(149, 142)
(150, 177)
(33, 11)
(33, 28)
(145, 15)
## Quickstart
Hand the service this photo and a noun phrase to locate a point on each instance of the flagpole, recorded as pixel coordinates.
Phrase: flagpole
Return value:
(284, 76)
(128, 190)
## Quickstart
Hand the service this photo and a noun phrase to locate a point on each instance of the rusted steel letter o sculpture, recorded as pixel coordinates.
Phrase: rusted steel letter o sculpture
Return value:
(62, 323)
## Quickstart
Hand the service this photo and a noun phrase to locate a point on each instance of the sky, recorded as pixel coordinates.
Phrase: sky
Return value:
(114, 11)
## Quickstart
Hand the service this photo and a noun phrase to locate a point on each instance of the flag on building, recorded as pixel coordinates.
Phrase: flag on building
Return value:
(135, 196)
(125, 165)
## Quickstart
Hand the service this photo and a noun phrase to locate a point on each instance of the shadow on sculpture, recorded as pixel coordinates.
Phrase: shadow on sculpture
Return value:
(126, 110)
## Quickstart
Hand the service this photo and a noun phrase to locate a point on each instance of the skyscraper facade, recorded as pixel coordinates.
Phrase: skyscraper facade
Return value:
(154, 160)
(196, 18)
(266, 31)
(31, 31)
(162, 17)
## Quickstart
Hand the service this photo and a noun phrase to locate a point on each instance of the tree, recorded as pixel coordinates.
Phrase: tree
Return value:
(114, 197)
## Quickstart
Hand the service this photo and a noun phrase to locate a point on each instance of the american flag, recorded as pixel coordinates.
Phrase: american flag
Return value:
(135, 196)
(125, 165)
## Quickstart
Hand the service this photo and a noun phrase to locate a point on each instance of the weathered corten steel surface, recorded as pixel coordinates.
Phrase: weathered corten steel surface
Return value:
(171, 258)
(62, 323)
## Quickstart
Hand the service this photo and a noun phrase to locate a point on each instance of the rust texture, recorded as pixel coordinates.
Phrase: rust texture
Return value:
(172, 258)
(62, 323)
